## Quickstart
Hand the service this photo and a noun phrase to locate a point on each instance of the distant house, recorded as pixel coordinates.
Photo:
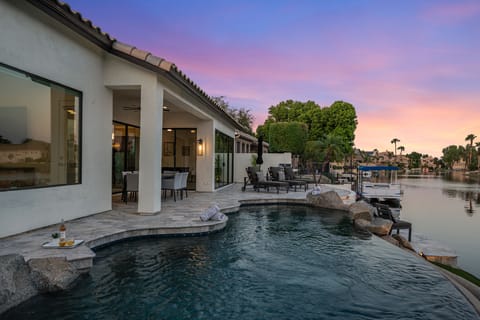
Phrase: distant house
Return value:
(79, 107)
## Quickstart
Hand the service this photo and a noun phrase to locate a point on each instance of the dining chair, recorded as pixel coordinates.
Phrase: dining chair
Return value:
(173, 184)
(131, 187)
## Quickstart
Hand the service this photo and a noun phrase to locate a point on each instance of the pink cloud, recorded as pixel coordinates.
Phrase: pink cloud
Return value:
(453, 11)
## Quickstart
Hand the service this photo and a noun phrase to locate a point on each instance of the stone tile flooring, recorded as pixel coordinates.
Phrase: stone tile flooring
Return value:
(122, 221)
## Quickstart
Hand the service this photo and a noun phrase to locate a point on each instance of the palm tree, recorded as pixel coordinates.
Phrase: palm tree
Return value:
(394, 141)
(328, 149)
(401, 148)
(470, 138)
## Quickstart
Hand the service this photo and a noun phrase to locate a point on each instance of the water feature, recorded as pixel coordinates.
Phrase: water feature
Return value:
(271, 262)
(446, 209)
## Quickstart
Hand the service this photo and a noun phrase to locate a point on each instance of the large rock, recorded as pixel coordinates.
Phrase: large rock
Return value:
(380, 227)
(403, 242)
(52, 274)
(324, 180)
(328, 199)
(361, 210)
(15, 283)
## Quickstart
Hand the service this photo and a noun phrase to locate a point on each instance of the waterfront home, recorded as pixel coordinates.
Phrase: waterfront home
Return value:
(78, 108)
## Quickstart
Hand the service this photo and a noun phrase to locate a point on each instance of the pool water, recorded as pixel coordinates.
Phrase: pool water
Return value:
(271, 262)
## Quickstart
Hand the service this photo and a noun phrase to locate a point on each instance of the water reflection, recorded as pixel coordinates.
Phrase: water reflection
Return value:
(460, 176)
(446, 209)
(471, 198)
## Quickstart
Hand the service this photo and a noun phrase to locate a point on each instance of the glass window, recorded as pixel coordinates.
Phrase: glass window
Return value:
(223, 159)
(39, 132)
(125, 152)
(179, 152)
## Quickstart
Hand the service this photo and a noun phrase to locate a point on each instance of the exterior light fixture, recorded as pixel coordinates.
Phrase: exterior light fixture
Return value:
(200, 147)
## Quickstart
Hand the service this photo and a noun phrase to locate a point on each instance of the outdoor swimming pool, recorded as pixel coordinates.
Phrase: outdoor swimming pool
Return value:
(271, 262)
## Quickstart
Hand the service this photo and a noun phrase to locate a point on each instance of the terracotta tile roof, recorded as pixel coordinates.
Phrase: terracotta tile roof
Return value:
(62, 12)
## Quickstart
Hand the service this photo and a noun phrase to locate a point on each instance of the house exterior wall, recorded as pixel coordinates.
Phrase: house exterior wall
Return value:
(244, 160)
(33, 42)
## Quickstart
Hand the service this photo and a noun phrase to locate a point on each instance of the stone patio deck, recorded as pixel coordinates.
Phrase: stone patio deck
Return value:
(179, 218)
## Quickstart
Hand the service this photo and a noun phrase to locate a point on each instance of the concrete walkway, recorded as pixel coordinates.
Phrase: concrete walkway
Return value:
(179, 218)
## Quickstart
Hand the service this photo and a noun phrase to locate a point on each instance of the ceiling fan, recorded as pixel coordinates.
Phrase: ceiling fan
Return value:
(133, 107)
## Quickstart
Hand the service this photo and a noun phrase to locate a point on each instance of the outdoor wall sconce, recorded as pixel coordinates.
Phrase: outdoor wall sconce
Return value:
(200, 147)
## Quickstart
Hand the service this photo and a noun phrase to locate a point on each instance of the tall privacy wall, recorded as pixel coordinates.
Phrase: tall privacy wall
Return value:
(244, 160)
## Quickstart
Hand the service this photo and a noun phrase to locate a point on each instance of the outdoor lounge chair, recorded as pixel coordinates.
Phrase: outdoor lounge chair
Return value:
(258, 181)
(290, 175)
(277, 174)
(383, 211)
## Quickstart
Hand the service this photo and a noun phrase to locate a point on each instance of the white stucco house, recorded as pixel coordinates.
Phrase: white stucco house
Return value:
(78, 107)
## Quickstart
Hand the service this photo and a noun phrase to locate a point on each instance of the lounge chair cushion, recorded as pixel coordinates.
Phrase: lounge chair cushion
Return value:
(260, 177)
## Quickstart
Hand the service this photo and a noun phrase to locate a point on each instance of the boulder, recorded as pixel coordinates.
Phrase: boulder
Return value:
(52, 274)
(380, 227)
(328, 199)
(324, 180)
(15, 283)
(403, 242)
(392, 240)
(361, 210)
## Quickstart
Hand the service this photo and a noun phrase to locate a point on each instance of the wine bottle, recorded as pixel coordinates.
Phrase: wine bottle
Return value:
(63, 234)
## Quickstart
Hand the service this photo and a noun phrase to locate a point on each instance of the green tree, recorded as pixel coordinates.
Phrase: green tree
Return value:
(330, 148)
(286, 137)
(242, 115)
(339, 119)
(414, 160)
(470, 150)
(366, 158)
(451, 154)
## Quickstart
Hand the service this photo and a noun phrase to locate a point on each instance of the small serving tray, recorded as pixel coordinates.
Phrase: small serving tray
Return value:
(54, 244)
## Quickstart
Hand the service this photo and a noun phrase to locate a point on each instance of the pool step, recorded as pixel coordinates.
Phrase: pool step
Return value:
(432, 250)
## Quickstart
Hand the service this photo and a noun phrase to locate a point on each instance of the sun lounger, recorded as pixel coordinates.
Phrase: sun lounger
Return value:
(290, 175)
(258, 181)
(277, 174)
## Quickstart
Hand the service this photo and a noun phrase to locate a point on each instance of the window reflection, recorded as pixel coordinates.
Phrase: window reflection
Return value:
(39, 132)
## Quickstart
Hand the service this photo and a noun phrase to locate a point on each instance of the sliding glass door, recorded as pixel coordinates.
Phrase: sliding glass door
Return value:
(179, 153)
(125, 152)
(223, 159)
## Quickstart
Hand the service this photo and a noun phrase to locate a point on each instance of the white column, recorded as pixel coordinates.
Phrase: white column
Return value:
(151, 121)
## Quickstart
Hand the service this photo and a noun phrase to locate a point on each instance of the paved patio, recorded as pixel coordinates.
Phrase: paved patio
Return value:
(179, 218)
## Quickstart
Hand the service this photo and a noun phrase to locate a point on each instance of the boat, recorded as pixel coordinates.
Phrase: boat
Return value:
(389, 193)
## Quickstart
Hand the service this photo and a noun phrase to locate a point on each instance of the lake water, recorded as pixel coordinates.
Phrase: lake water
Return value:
(446, 209)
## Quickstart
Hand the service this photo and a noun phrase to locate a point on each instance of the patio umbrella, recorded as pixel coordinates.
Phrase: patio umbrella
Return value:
(260, 151)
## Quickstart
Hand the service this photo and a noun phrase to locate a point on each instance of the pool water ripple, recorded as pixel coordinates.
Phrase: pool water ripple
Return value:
(270, 263)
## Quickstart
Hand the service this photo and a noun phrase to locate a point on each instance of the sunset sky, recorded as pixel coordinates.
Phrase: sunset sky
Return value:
(410, 68)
